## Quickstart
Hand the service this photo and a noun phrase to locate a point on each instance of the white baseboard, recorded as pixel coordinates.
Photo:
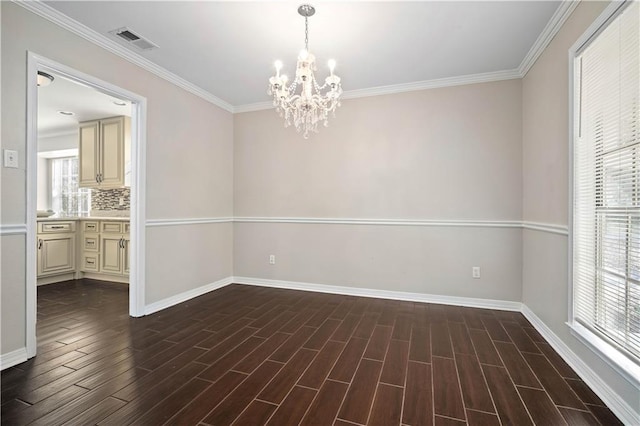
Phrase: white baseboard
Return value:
(620, 408)
(187, 295)
(13, 358)
(383, 294)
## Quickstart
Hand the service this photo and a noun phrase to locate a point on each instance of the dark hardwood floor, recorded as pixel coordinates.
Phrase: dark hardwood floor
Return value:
(251, 356)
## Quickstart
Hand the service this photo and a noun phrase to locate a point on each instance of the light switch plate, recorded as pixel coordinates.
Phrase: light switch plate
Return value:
(11, 158)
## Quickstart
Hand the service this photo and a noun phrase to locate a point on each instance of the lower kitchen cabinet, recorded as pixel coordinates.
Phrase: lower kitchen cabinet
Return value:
(56, 254)
(56, 248)
(114, 254)
(100, 252)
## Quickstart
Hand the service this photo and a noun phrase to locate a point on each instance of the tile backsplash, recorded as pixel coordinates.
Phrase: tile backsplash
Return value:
(109, 199)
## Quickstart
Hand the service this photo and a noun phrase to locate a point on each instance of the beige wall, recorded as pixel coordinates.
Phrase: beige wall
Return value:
(189, 154)
(443, 154)
(428, 260)
(12, 295)
(545, 191)
(211, 261)
(451, 153)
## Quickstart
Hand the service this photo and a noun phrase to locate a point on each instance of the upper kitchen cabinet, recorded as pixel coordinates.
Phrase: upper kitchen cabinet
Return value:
(105, 153)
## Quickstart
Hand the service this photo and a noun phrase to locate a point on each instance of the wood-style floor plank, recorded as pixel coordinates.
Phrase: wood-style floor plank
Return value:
(321, 365)
(257, 413)
(395, 363)
(325, 406)
(282, 383)
(505, 396)
(293, 408)
(540, 407)
(227, 411)
(518, 368)
(474, 389)
(256, 355)
(346, 365)
(357, 402)
(418, 400)
(557, 388)
(447, 398)
(387, 406)
(378, 343)
(484, 347)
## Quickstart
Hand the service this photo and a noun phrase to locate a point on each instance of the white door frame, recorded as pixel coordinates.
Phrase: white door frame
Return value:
(37, 63)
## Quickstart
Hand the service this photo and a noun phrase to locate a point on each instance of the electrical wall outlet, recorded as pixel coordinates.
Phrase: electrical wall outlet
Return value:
(272, 259)
(11, 158)
(475, 272)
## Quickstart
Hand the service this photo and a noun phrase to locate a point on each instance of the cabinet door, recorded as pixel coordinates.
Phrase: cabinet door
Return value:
(56, 254)
(110, 254)
(112, 158)
(125, 254)
(88, 151)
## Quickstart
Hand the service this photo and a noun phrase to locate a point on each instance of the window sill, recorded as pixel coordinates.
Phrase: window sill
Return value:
(616, 360)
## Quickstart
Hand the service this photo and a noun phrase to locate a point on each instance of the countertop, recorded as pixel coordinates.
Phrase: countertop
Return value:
(67, 218)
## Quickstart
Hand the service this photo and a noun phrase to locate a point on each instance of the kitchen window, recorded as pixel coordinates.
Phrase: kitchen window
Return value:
(606, 191)
(67, 198)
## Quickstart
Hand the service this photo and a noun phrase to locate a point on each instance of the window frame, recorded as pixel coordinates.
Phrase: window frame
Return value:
(606, 350)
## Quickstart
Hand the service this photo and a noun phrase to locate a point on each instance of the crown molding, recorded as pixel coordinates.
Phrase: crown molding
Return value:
(62, 20)
(558, 19)
(486, 77)
(550, 30)
(257, 106)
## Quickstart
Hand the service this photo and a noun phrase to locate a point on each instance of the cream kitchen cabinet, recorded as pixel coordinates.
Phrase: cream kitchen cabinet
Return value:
(90, 245)
(114, 248)
(112, 256)
(56, 248)
(105, 152)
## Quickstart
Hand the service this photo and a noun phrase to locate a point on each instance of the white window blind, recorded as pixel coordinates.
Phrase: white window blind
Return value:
(606, 202)
(67, 197)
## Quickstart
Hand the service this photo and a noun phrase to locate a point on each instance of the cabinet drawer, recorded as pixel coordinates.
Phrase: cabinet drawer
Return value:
(55, 227)
(90, 262)
(126, 227)
(111, 227)
(90, 226)
(90, 242)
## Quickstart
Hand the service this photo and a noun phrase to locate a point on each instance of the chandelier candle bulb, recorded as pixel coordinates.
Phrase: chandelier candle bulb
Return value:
(332, 65)
(305, 103)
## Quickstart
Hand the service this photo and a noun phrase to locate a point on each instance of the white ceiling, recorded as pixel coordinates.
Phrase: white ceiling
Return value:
(228, 48)
(85, 102)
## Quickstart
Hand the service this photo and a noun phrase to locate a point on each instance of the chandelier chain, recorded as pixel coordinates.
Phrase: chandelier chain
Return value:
(306, 33)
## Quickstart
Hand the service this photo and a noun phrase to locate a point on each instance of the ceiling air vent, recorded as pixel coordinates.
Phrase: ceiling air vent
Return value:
(132, 38)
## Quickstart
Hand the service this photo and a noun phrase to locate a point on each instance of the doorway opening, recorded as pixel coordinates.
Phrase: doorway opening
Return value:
(90, 168)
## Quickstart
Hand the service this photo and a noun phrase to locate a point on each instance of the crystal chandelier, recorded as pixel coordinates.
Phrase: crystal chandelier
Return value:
(310, 106)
